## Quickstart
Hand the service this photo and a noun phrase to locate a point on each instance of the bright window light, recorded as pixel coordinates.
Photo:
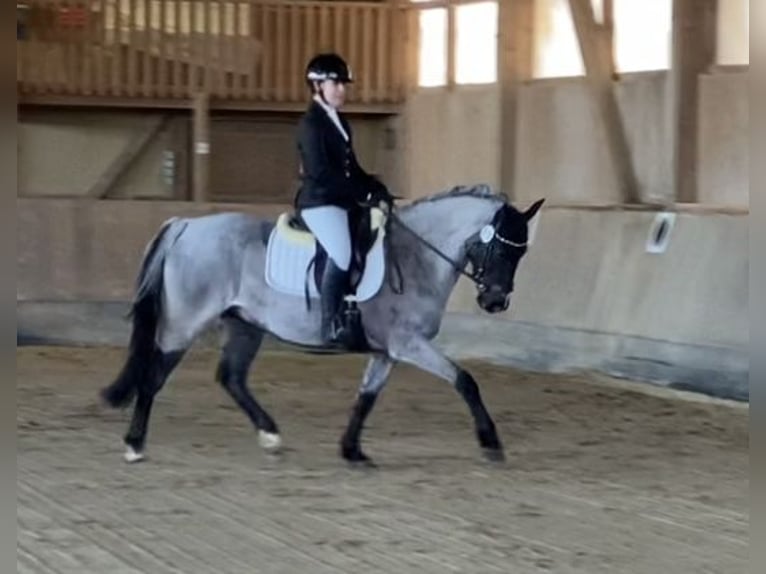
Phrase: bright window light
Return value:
(476, 43)
(433, 47)
(642, 34)
(557, 51)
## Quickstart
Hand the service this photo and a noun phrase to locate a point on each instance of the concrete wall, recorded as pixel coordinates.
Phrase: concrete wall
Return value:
(83, 250)
(453, 138)
(589, 270)
(588, 296)
(563, 149)
(724, 144)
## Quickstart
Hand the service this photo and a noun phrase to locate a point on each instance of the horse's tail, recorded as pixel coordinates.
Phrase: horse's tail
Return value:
(145, 313)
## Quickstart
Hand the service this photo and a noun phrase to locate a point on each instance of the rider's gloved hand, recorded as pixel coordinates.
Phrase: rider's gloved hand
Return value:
(379, 195)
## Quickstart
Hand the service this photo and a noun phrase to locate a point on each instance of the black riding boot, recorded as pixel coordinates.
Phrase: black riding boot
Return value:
(334, 283)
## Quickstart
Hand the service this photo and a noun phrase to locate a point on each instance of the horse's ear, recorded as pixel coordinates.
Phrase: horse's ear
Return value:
(532, 211)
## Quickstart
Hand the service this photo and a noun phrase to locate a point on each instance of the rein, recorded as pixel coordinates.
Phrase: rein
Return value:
(474, 277)
(487, 237)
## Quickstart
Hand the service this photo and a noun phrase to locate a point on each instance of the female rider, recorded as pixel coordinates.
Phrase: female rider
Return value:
(332, 183)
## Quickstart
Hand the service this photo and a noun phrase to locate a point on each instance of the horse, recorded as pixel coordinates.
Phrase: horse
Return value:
(210, 270)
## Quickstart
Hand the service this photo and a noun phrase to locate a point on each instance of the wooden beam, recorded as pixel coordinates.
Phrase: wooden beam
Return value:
(406, 59)
(609, 15)
(30, 101)
(201, 149)
(451, 44)
(515, 62)
(596, 48)
(694, 43)
(114, 172)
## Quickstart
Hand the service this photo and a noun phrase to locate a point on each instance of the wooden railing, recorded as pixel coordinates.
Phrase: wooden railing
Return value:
(235, 51)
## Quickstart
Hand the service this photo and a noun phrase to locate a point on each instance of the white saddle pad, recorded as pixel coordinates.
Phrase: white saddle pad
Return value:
(288, 260)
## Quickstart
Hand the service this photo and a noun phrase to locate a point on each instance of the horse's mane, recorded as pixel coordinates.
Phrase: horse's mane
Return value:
(480, 191)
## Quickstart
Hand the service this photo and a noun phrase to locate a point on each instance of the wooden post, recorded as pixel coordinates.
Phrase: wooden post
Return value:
(410, 51)
(694, 43)
(451, 43)
(132, 40)
(596, 48)
(178, 88)
(515, 50)
(201, 136)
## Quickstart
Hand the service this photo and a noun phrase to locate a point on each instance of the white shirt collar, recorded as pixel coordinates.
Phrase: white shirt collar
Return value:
(333, 113)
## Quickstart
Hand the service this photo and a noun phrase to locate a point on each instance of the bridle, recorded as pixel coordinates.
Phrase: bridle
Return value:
(488, 236)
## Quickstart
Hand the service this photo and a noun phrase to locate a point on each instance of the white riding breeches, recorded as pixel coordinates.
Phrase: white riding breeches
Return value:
(329, 224)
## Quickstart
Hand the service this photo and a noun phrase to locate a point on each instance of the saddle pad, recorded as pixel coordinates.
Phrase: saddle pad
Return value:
(287, 262)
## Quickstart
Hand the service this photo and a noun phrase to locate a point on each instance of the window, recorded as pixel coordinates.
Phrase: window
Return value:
(642, 36)
(733, 33)
(557, 50)
(476, 43)
(433, 47)
(475, 48)
(643, 32)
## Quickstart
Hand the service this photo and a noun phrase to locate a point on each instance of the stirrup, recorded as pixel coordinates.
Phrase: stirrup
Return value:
(345, 329)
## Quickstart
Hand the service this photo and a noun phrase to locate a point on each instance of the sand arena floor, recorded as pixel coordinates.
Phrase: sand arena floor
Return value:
(598, 477)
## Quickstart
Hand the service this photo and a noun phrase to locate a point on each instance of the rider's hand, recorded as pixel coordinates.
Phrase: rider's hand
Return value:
(386, 206)
(379, 194)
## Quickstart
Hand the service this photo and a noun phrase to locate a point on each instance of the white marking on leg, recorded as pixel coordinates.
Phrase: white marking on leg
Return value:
(269, 440)
(131, 455)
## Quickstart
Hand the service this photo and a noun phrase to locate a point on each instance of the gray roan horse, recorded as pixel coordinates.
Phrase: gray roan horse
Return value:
(209, 270)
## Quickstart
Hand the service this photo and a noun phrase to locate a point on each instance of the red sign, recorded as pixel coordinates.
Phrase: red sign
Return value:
(73, 17)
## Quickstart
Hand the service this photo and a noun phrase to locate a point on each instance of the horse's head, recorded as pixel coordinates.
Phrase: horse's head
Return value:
(495, 255)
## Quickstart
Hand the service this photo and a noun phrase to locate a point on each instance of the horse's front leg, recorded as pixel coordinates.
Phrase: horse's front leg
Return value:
(422, 353)
(375, 378)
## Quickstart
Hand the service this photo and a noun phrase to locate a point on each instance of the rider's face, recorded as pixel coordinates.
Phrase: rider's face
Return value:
(334, 93)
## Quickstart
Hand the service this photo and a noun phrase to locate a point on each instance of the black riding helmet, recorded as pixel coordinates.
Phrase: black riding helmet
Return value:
(328, 67)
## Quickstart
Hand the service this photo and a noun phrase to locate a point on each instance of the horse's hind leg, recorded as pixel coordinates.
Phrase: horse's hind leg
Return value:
(158, 371)
(242, 343)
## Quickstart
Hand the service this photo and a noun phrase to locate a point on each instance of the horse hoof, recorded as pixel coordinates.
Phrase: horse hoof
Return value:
(361, 463)
(357, 459)
(132, 456)
(269, 441)
(494, 454)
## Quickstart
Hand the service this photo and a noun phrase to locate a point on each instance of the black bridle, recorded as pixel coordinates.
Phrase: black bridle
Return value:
(489, 237)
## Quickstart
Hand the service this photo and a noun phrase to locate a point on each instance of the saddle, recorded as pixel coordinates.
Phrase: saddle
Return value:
(293, 253)
(365, 227)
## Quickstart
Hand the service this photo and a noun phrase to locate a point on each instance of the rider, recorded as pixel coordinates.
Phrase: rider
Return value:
(332, 182)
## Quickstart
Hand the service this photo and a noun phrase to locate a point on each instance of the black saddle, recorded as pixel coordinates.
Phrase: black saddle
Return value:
(296, 222)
